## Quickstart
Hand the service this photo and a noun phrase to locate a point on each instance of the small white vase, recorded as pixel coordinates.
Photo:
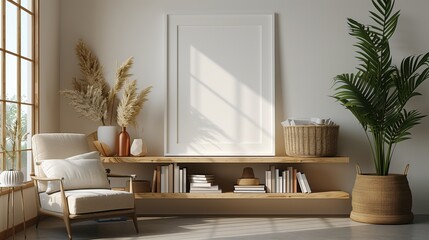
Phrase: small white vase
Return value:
(11, 178)
(138, 148)
(108, 135)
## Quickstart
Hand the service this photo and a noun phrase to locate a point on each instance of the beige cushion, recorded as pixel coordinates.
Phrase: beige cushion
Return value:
(77, 174)
(43, 185)
(56, 146)
(88, 201)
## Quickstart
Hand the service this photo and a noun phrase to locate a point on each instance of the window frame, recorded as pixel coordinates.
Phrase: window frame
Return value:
(33, 84)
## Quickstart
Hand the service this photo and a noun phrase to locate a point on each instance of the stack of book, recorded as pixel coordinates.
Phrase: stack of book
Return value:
(249, 189)
(202, 183)
(286, 181)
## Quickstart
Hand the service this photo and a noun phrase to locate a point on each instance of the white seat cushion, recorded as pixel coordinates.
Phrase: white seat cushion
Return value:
(88, 201)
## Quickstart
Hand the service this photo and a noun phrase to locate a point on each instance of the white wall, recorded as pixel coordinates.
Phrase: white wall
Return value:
(312, 47)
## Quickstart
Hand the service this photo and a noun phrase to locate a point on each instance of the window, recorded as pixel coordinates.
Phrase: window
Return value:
(18, 82)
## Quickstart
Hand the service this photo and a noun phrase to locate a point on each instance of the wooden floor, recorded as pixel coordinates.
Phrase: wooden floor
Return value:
(232, 228)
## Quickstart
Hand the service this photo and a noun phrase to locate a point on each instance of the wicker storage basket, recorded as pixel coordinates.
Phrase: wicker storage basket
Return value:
(311, 140)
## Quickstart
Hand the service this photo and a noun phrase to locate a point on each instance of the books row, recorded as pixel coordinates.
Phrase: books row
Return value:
(169, 179)
(286, 181)
(173, 179)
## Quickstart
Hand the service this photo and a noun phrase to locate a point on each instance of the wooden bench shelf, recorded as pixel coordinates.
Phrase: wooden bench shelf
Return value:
(230, 195)
(235, 160)
(275, 159)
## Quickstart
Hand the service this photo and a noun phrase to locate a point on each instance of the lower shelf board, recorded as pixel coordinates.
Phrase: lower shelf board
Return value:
(230, 195)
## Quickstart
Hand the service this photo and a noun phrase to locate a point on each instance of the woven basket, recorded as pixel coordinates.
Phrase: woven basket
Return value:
(382, 199)
(311, 140)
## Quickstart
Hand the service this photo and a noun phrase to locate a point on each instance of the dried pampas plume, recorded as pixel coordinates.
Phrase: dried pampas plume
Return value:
(89, 104)
(131, 103)
(93, 98)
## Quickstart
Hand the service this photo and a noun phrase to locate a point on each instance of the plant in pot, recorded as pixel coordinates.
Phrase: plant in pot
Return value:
(12, 176)
(93, 99)
(377, 95)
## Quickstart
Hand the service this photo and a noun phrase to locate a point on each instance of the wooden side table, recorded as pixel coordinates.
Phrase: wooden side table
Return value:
(12, 205)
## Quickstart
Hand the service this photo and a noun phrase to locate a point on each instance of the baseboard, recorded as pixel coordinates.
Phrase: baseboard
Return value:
(20, 227)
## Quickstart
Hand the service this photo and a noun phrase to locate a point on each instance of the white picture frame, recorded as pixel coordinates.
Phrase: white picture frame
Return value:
(220, 85)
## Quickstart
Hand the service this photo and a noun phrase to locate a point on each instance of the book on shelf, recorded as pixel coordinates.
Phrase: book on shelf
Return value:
(306, 184)
(249, 189)
(201, 184)
(205, 191)
(301, 182)
(210, 188)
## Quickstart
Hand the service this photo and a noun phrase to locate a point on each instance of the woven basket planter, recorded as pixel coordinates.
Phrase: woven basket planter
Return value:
(382, 199)
(311, 140)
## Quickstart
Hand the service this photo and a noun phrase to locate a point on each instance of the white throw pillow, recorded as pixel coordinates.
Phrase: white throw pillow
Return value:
(42, 185)
(77, 174)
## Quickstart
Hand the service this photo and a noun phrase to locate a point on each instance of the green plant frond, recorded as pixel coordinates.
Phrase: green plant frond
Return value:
(398, 130)
(408, 77)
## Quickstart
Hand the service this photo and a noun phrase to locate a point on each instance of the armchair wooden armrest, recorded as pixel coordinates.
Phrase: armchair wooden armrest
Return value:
(34, 177)
(131, 176)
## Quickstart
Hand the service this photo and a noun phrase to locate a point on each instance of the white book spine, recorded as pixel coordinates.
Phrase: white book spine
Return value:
(307, 185)
(283, 181)
(300, 182)
(277, 181)
(176, 179)
(180, 180)
(268, 181)
(290, 169)
(280, 184)
(287, 181)
(163, 181)
(185, 189)
(273, 179)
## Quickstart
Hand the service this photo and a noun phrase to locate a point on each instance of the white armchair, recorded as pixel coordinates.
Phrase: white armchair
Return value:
(71, 182)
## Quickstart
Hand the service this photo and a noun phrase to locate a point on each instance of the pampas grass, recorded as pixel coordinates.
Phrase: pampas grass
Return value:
(131, 103)
(89, 104)
(92, 97)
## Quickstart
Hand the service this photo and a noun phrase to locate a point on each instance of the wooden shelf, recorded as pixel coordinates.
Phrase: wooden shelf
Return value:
(230, 195)
(275, 159)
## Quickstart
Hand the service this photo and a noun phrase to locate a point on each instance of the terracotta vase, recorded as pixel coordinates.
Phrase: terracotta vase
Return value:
(124, 143)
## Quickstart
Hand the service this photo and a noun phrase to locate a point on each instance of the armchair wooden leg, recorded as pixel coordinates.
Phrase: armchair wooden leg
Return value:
(135, 223)
(68, 227)
(37, 220)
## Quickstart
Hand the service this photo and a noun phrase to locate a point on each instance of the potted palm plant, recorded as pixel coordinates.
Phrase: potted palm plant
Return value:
(377, 95)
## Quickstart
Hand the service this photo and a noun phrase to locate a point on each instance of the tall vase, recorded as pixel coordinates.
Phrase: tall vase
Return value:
(108, 135)
(124, 143)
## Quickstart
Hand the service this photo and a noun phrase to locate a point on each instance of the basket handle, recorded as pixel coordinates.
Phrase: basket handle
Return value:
(358, 170)
(406, 169)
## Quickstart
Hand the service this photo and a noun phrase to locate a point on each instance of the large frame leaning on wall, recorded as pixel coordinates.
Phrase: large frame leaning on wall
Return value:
(220, 85)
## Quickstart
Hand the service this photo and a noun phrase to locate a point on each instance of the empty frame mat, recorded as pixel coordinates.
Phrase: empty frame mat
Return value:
(220, 85)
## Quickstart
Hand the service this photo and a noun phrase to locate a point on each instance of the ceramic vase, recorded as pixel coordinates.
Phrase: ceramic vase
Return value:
(11, 178)
(138, 148)
(108, 135)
